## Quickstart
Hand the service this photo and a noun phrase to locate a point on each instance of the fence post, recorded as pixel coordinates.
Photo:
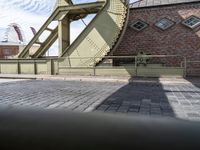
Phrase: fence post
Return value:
(0, 68)
(18, 67)
(57, 72)
(94, 67)
(52, 66)
(185, 66)
(35, 67)
(136, 66)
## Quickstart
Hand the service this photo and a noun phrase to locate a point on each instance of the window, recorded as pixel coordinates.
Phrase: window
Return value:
(192, 22)
(138, 25)
(164, 24)
(7, 52)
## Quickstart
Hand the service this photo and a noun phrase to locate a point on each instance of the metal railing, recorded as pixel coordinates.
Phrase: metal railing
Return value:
(64, 63)
(195, 67)
(110, 65)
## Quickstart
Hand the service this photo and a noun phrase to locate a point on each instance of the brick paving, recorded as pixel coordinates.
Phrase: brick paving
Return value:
(178, 100)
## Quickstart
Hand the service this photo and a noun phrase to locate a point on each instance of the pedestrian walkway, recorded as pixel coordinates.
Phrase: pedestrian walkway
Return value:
(156, 97)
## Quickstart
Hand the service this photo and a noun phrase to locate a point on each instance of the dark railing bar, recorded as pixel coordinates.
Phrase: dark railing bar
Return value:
(106, 57)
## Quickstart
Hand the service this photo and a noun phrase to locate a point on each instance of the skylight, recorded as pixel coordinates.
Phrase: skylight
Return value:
(138, 25)
(192, 22)
(164, 24)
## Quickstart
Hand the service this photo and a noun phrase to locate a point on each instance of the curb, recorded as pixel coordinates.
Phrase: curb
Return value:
(169, 80)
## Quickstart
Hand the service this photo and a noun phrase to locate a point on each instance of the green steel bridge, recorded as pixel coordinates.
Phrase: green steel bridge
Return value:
(93, 47)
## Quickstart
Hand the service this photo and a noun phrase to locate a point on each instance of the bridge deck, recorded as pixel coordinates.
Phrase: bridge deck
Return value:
(168, 98)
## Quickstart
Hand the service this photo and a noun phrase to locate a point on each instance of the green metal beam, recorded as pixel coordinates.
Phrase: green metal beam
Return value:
(58, 14)
(63, 34)
(100, 36)
(25, 52)
(47, 44)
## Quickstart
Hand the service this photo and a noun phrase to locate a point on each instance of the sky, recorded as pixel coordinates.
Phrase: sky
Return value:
(33, 13)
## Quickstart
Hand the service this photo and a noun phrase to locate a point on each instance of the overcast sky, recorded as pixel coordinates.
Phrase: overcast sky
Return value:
(33, 13)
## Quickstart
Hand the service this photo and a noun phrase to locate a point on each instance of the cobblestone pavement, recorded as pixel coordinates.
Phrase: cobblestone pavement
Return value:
(179, 100)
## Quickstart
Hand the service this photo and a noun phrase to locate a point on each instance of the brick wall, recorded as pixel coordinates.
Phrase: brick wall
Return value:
(177, 40)
(8, 51)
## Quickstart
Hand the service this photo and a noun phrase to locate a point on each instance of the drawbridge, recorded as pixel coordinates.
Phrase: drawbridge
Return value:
(97, 40)
(91, 49)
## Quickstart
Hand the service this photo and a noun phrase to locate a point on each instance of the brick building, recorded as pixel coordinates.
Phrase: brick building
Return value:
(12, 41)
(8, 50)
(164, 27)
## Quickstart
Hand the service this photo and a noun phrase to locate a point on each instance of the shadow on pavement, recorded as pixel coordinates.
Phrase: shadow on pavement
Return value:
(145, 98)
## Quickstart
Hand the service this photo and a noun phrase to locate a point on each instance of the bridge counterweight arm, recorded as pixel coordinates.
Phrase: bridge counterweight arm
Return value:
(58, 14)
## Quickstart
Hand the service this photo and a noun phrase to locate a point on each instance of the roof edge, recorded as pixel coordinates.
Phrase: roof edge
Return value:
(164, 5)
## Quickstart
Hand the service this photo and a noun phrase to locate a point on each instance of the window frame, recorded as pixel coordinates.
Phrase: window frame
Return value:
(164, 29)
(7, 51)
(135, 22)
(194, 26)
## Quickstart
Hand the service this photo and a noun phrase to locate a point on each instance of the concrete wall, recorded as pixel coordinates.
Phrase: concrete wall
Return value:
(177, 40)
